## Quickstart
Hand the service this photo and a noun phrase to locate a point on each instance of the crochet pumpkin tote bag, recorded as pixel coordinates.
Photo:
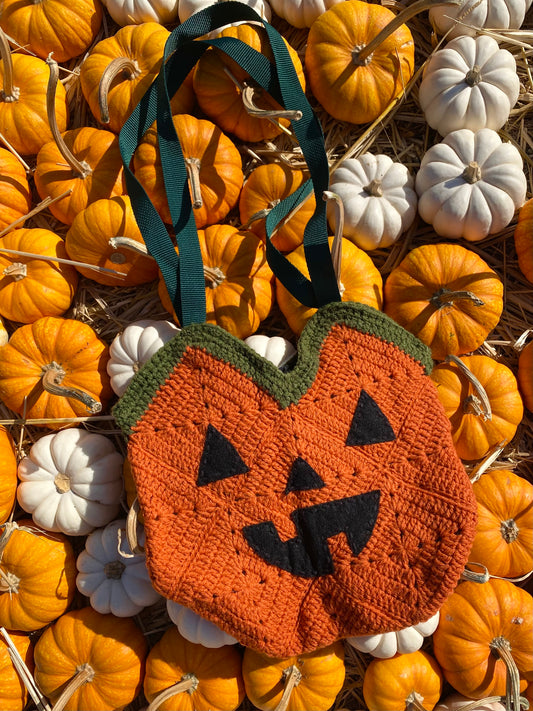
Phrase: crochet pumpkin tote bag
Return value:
(291, 508)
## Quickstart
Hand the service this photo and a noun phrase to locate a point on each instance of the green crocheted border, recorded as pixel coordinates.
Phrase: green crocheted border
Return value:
(285, 387)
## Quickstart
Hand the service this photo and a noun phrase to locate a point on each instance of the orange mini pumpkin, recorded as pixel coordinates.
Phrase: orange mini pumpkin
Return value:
(239, 290)
(31, 288)
(352, 79)
(264, 188)
(37, 576)
(447, 296)
(15, 197)
(121, 67)
(525, 375)
(504, 534)
(480, 627)
(202, 678)
(62, 27)
(480, 416)
(359, 281)
(221, 97)
(8, 476)
(107, 652)
(106, 234)
(13, 692)
(54, 368)
(214, 166)
(523, 239)
(397, 683)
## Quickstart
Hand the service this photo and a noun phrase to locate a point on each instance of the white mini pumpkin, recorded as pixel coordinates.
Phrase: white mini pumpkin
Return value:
(387, 644)
(470, 83)
(301, 13)
(71, 481)
(135, 12)
(455, 702)
(470, 184)
(114, 580)
(197, 629)
(465, 18)
(187, 8)
(276, 349)
(378, 197)
(133, 347)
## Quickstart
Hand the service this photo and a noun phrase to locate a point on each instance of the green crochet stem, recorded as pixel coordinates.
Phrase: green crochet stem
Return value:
(286, 388)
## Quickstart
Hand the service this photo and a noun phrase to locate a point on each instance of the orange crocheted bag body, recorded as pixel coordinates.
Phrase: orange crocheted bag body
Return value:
(291, 508)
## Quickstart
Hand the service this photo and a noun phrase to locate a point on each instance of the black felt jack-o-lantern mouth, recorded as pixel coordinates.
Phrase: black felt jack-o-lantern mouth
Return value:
(307, 554)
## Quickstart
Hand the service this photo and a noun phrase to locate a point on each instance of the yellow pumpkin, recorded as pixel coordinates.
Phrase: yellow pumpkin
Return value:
(37, 576)
(359, 281)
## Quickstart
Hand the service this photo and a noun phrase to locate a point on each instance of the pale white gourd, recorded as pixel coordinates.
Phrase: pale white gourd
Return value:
(470, 83)
(197, 629)
(455, 702)
(276, 349)
(405, 641)
(301, 13)
(470, 15)
(470, 184)
(133, 347)
(114, 580)
(71, 481)
(378, 197)
(134, 12)
(186, 8)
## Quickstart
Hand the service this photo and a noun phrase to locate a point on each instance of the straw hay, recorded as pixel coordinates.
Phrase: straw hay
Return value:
(402, 134)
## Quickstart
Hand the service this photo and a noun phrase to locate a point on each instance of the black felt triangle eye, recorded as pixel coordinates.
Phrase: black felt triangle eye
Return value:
(303, 477)
(369, 424)
(219, 459)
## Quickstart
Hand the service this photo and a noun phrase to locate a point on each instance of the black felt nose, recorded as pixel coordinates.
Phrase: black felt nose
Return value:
(303, 477)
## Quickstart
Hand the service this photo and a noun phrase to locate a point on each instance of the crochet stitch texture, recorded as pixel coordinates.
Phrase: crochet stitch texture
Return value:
(293, 509)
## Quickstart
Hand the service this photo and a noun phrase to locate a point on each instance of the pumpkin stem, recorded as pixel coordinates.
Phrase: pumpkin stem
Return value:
(363, 55)
(445, 297)
(509, 530)
(475, 404)
(414, 702)
(292, 676)
(214, 276)
(62, 482)
(131, 528)
(84, 674)
(126, 243)
(336, 247)
(16, 270)
(261, 214)
(80, 168)
(193, 166)
(374, 188)
(472, 173)
(501, 647)
(247, 96)
(188, 683)
(52, 377)
(9, 582)
(120, 65)
(473, 76)
(9, 92)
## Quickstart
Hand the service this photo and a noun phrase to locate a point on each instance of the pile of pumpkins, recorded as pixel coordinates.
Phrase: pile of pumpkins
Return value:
(73, 580)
